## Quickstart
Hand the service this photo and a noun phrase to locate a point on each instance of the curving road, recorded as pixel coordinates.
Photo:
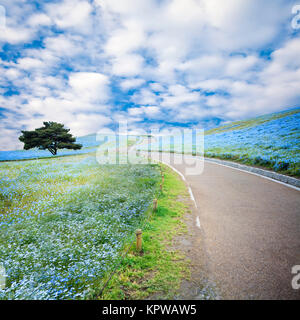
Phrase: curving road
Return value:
(249, 230)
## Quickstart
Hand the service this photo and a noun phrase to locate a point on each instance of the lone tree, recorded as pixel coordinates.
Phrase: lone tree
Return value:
(52, 136)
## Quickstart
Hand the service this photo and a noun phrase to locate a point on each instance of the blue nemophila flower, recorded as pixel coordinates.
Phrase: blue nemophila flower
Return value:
(65, 222)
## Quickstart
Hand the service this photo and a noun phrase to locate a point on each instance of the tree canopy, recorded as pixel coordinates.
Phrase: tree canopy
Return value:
(52, 136)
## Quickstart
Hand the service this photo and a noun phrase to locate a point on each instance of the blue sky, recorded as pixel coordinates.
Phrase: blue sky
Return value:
(164, 63)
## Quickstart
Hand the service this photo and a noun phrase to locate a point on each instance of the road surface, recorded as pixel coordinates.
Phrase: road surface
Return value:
(250, 230)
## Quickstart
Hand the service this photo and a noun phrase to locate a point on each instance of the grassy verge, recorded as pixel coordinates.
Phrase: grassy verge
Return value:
(159, 269)
(257, 162)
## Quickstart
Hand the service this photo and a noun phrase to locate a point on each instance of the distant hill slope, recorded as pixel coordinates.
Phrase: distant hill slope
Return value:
(271, 141)
(253, 122)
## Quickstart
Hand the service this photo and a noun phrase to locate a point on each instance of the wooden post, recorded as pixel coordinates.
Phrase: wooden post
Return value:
(154, 205)
(163, 178)
(161, 187)
(138, 234)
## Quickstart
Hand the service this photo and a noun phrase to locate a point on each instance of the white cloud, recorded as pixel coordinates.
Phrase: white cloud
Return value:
(84, 124)
(125, 40)
(12, 73)
(145, 110)
(212, 84)
(145, 97)
(131, 83)
(177, 96)
(157, 87)
(239, 66)
(245, 23)
(9, 139)
(30, 63)
(39, 20)
(89, 86)
(62, 45)
(127, 65)
(71, 14)
(285, 58)
(14, 35)
(151, 110)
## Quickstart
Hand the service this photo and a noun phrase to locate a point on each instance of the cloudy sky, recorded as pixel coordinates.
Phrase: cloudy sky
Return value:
(197, 63)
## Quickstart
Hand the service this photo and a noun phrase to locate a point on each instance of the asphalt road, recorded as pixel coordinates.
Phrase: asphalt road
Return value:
(250, 231)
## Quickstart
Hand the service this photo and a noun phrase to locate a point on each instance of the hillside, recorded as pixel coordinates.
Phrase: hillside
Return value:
(271, 141)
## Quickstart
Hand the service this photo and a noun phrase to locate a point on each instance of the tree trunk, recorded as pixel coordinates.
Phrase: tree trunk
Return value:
(53, 151)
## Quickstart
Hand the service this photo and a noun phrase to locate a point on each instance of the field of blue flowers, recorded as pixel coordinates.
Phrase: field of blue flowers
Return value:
(64, 222)
(274, 143)
(271, 141)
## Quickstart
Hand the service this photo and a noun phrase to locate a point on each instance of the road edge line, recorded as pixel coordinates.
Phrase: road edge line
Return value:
(250, 171)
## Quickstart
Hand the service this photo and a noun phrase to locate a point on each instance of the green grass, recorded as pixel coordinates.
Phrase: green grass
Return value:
(156, 272)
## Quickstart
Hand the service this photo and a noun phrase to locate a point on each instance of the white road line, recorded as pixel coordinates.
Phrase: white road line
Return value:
(181, 175)
(190, 190)
(256, 174)
(183, 178)
(231, 167)
(192, 197)
(198, 222)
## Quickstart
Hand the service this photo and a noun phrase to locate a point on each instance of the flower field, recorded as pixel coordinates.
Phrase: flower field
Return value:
(271, 141)
(64, 223)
